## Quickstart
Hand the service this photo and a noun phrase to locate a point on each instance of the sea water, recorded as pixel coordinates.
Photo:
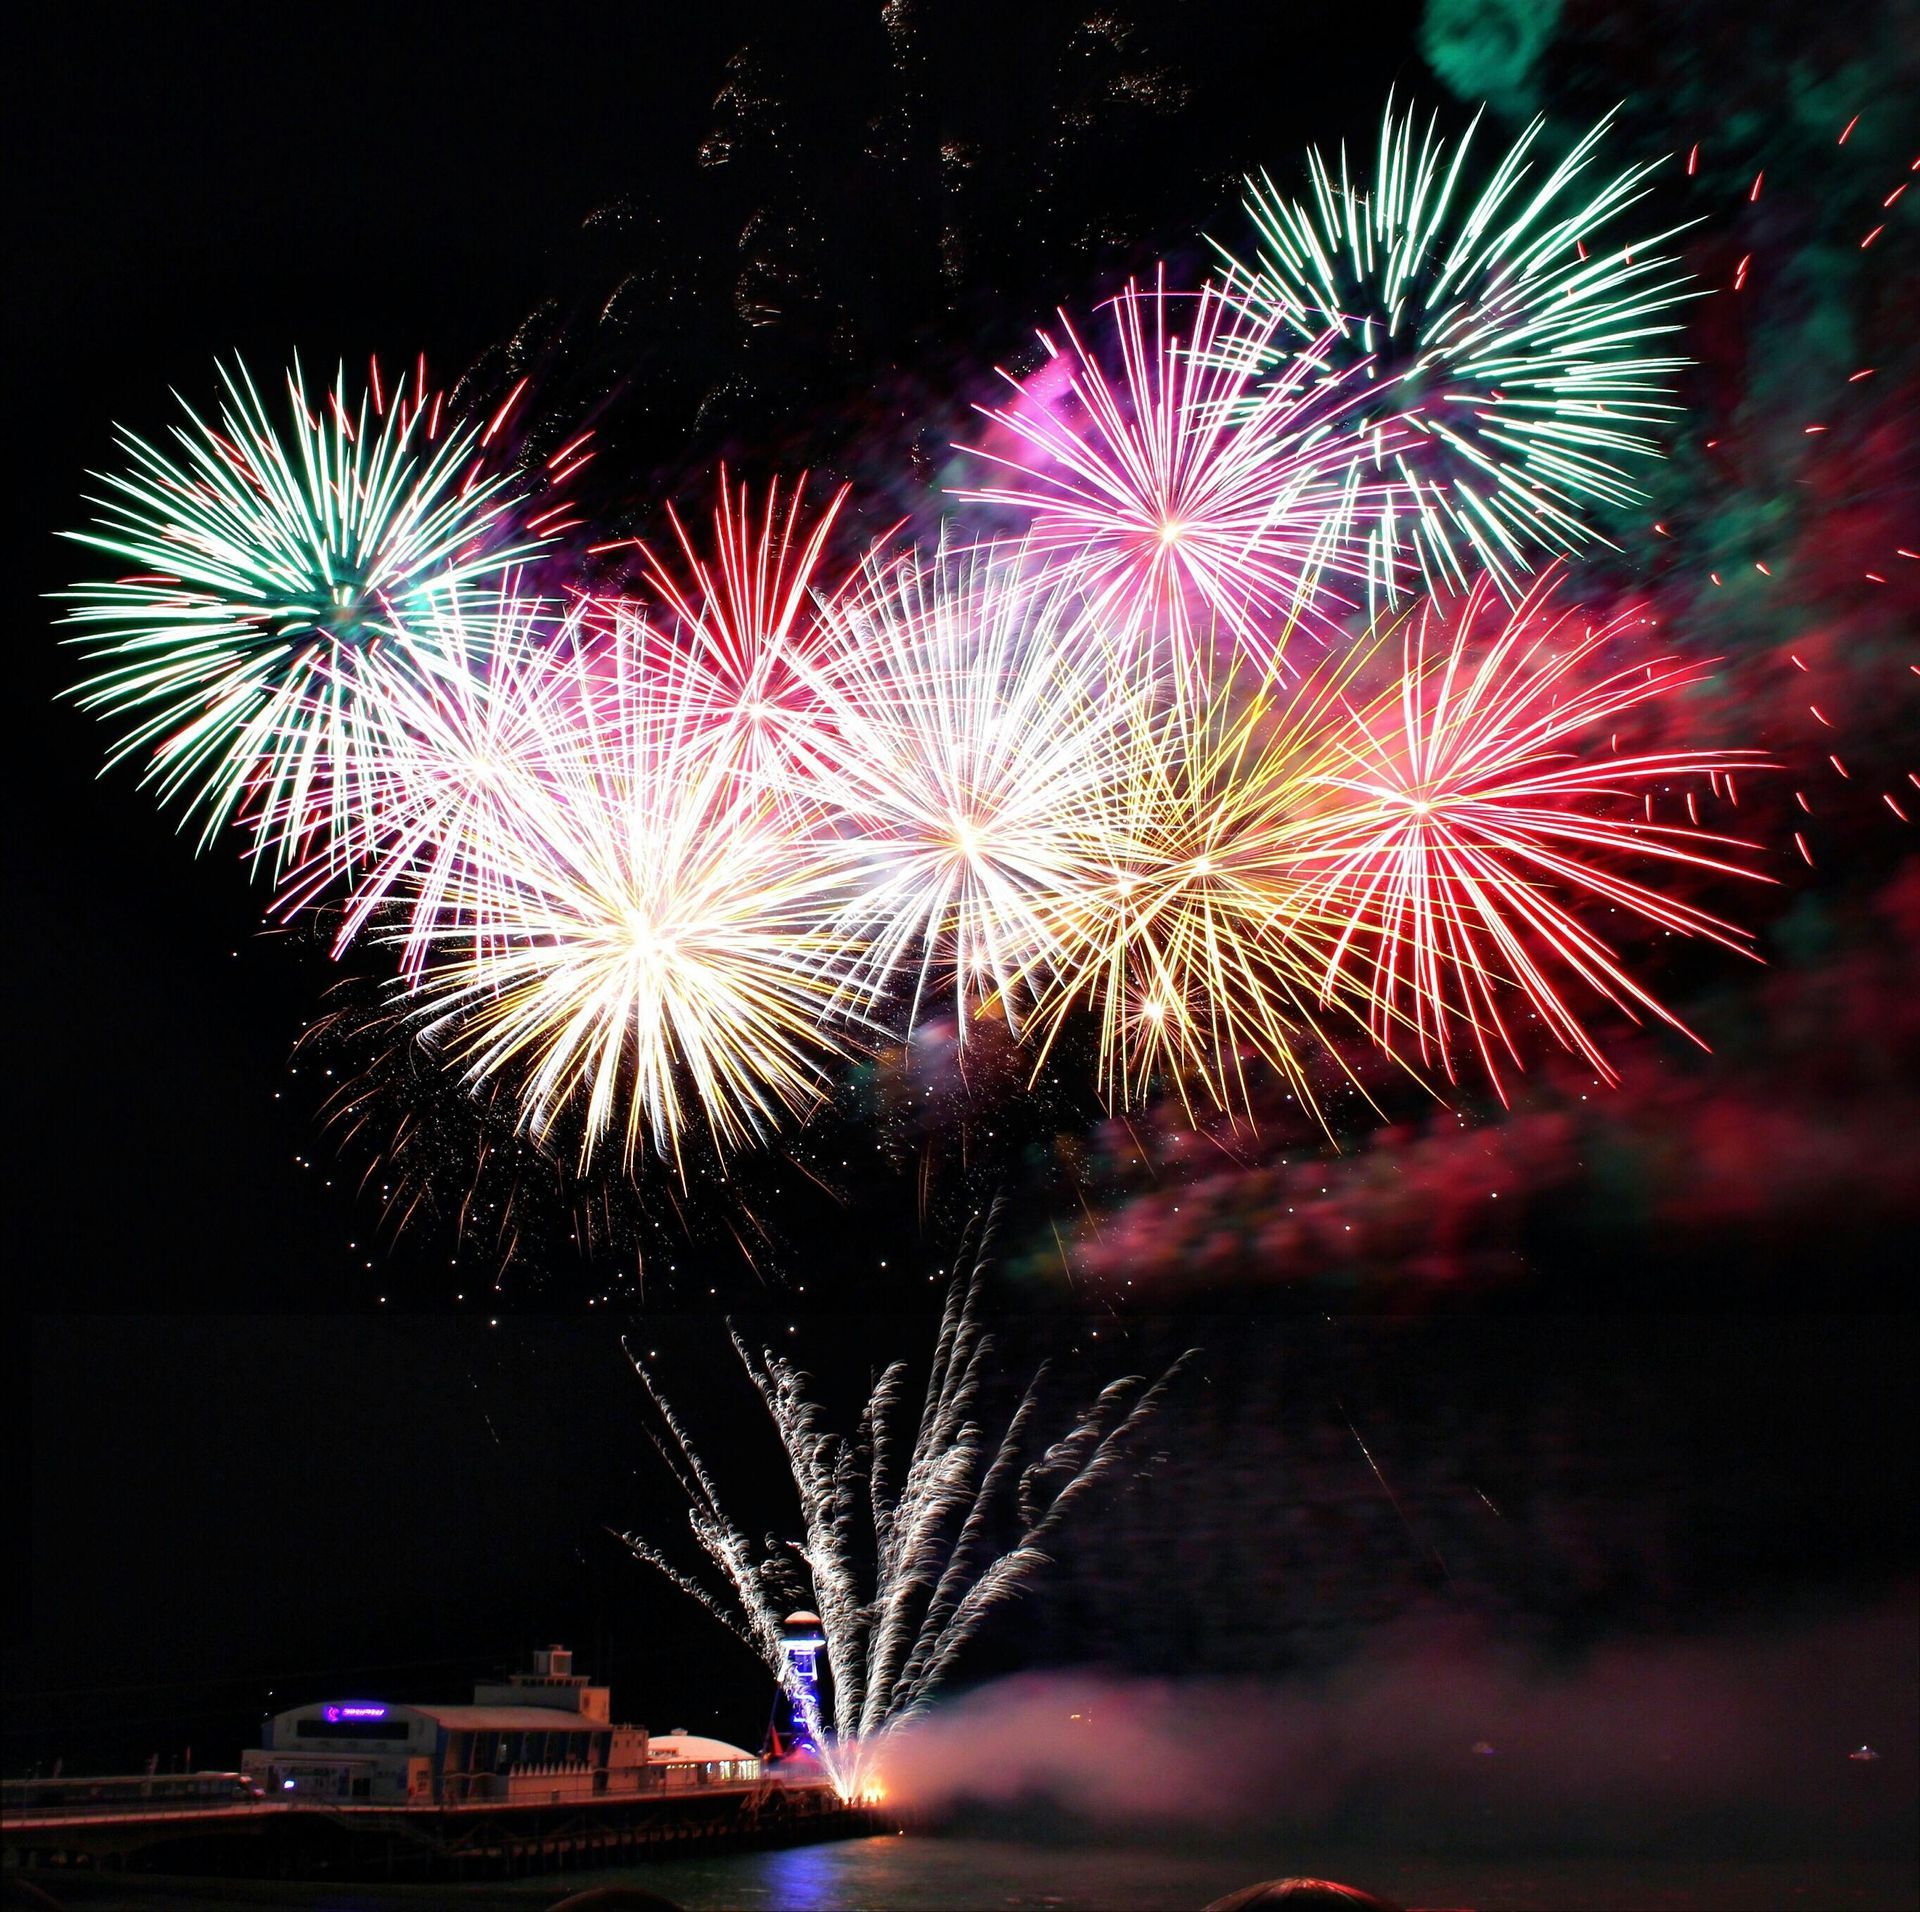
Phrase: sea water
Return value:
(919, 1873)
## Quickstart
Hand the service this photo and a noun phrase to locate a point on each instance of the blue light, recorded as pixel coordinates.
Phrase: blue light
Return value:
(804, 1671)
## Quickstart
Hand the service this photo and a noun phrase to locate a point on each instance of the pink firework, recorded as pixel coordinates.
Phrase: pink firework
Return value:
(1188, 495)
(1484, 812)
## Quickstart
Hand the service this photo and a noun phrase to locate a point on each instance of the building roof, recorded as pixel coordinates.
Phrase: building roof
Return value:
(692, 1746)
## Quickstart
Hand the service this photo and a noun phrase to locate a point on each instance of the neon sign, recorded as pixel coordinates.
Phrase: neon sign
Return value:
(355, 1709)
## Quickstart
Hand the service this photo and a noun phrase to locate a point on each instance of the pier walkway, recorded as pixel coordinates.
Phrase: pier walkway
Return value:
(481, 1840)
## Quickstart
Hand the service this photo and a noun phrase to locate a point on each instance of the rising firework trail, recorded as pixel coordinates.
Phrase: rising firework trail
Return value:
(1508, 329)
(910, 1539)
(267, 566)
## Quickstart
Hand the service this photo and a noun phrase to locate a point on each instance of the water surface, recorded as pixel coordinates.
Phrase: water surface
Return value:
(953, 1874)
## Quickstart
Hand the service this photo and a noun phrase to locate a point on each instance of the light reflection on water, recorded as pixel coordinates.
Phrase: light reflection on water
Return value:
(947, 1875)
(983, 1875)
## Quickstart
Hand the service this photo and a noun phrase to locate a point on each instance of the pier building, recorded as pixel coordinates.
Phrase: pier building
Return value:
(544, 1736)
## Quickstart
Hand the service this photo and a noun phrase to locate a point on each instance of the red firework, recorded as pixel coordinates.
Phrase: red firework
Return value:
(739, 627)
(1485, 810)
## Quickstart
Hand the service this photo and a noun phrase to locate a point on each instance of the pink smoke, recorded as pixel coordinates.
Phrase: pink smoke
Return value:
(1440, 1737)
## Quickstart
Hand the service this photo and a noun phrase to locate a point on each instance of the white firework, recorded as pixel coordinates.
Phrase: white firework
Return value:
(972, 742)
(624, 932)
(900, 1548)
(466, 754)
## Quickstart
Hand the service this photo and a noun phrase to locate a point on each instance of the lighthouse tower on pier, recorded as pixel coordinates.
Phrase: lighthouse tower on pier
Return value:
(801, 1644)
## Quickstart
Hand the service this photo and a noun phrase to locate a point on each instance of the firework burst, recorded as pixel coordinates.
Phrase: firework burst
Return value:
(1191, 938)
(634, 938)
(269, 567)
(1481, 807)
(1508, 332)
(975, 745)
(743, 627)
(464, 754)
(1191, 494)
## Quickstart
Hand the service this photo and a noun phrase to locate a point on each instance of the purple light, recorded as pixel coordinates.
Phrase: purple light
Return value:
(360, 1709)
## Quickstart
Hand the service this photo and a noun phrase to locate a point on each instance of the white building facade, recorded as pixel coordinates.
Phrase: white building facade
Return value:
(536, 1738)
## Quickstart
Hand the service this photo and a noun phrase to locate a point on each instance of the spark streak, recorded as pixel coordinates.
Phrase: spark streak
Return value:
(898, 1551)
(1504, 336)
(1192, 493)
(634, 938)
(1475, 812)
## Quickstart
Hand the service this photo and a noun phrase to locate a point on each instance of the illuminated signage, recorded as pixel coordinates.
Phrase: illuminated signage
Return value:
(356, 1709)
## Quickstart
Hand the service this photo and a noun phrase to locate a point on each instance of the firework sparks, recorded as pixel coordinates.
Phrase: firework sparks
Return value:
(1480, 806)
(1506, 331)
(269, 568)
(974, 748)
(634, 936)
(464, 756)
(1192, 939)
(645, 863)
(900, 1561)
(744, 627)
(1191, 494)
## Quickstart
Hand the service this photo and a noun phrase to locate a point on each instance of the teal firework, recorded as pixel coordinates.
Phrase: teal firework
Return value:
(263, 568)
(1509, 329)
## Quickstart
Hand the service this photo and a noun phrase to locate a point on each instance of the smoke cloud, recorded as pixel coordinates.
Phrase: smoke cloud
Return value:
(1453, 1742)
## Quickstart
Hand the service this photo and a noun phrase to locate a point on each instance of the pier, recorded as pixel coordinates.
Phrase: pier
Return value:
(510, 1839)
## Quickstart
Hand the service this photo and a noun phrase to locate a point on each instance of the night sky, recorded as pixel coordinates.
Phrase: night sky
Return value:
(263, 1451)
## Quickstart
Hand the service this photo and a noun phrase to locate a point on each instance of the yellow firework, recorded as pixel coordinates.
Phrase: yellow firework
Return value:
(1194, 942)
(635, 942)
